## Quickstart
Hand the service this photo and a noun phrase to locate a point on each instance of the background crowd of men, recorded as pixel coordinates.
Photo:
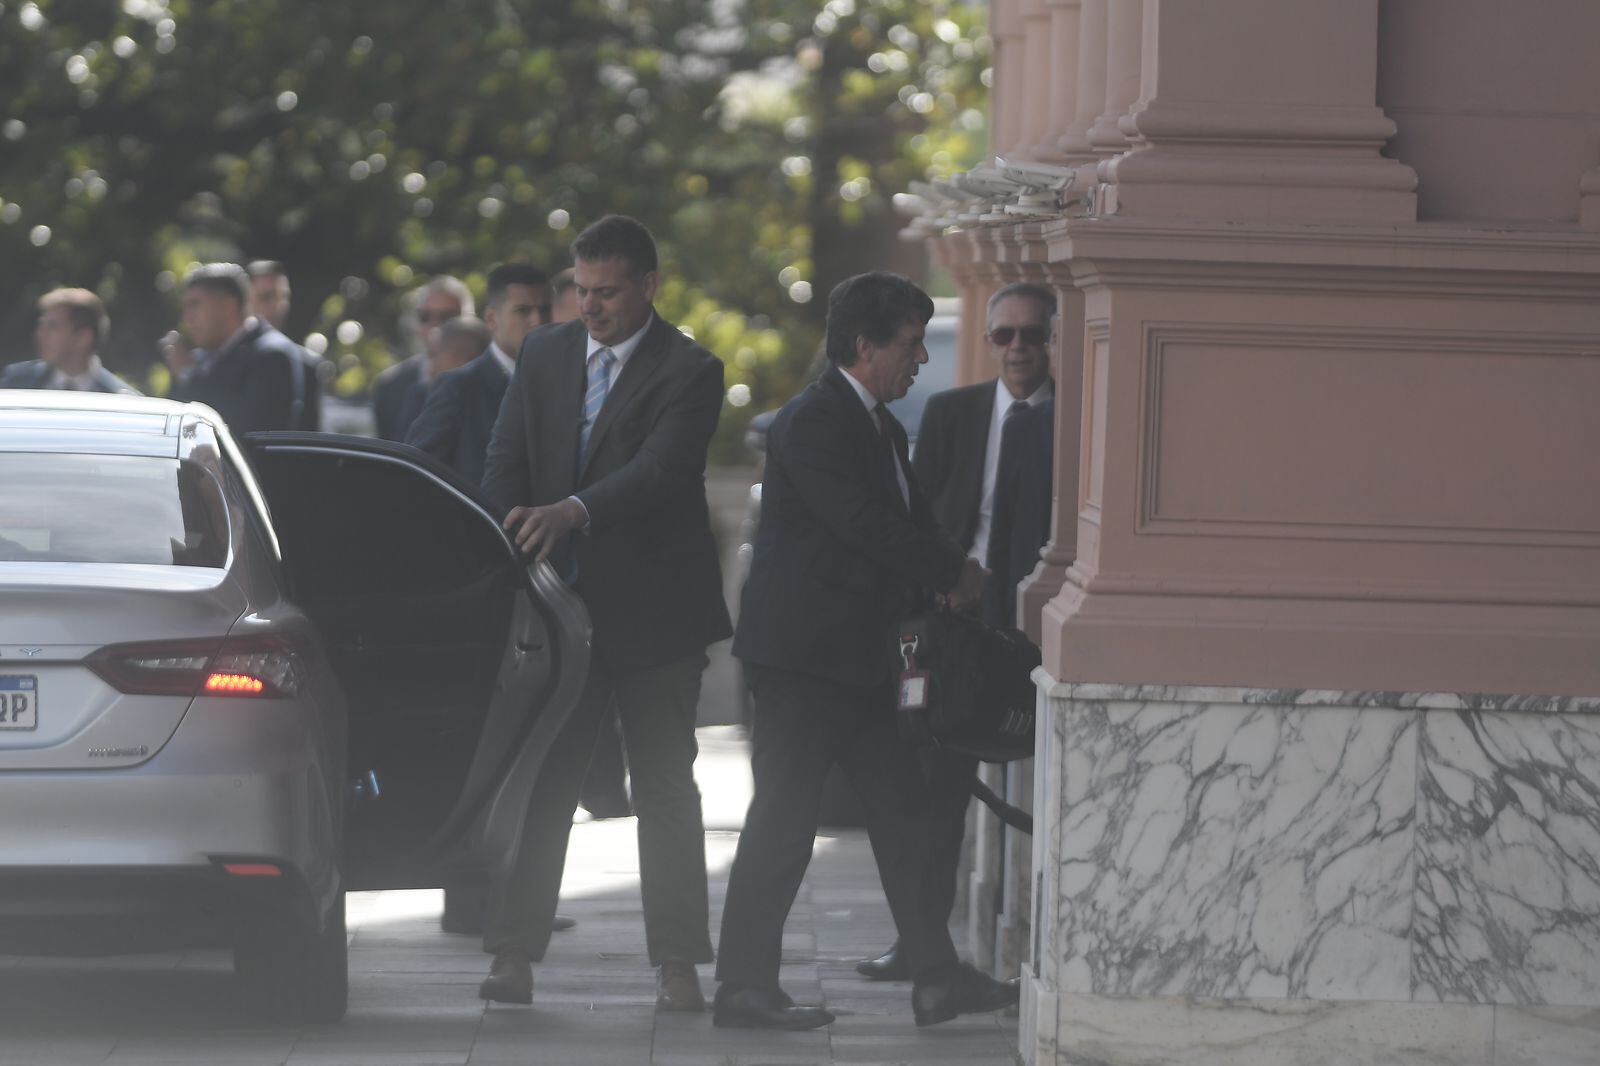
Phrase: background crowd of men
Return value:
(584, 418)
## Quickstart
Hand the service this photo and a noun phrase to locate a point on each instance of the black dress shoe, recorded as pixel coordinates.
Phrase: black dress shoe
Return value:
(960, 989)
(757, 1008)
(510, 979)
(561, 923)
(890, 966)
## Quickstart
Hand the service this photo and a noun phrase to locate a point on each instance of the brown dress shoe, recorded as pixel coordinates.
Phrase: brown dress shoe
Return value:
(510, 979)
(678, 987)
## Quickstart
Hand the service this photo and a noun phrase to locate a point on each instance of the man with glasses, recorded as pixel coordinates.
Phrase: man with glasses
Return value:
(957, 461)
(440, 300)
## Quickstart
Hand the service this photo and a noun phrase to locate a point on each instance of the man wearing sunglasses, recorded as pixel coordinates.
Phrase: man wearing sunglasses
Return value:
(440, 300)
(957, 462)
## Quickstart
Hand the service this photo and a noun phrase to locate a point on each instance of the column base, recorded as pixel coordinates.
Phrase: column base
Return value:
(1140, 1031)
(1257, 876)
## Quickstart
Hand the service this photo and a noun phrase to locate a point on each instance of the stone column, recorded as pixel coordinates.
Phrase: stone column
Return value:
(1036, 21)
(1090, 96)
(1062, 80)
(1067, 367)
(958, 253)
(1317, 779)
(1008, 93)
(1124, 45)
(1255, 108)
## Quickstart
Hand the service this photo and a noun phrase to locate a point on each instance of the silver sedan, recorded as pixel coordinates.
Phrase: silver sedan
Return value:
(238, 679)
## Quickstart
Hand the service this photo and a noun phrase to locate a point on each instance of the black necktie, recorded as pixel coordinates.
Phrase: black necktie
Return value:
(890, 461)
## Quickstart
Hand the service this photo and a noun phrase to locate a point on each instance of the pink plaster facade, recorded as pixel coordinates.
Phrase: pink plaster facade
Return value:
(1330, 349)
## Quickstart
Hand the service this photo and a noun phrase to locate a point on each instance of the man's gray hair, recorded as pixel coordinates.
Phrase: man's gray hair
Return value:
(452, 287)
(1043, 296)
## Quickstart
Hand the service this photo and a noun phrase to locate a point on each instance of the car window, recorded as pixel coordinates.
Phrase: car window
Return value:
(110, 509)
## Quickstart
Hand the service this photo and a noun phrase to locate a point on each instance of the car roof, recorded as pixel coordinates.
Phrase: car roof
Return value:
(47, 420)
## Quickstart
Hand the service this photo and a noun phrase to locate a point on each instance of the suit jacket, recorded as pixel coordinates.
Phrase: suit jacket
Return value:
(839, 557)
(949, 460)
(647, 565)
(390, 395)
(35, 374)
(457, 417)
(1024, 490)
(255, 383)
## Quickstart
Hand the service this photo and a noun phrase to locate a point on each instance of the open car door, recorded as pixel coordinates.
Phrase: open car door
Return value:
(460, 662)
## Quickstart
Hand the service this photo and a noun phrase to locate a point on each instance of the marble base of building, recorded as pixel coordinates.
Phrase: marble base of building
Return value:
(1248, 876)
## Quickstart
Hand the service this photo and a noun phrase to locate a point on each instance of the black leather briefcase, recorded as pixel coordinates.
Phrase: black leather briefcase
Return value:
(966, 685)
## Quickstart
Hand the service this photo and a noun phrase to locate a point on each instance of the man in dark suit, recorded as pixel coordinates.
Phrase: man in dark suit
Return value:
(458, 414)
(440, 300)
(1024, 492)
(72, 323)
(245, 370)
(270, 301)
(598, 456)
(957, 461)
(847, 545)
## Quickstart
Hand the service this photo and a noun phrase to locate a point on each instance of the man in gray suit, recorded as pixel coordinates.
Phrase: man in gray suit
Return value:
(72, 323)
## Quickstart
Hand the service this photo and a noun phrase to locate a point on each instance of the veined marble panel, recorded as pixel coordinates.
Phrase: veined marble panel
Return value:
(1234, 850)
(1508, 892)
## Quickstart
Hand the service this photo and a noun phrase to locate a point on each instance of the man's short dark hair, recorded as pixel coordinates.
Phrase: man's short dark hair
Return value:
(1025, 289)
(508, 274)
(618, 237)
(563, 281)
(265, 268)
(228, 279)
(873, 305)
(84, 310)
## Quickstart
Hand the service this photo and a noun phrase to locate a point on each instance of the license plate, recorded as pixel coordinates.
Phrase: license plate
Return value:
(19, 701)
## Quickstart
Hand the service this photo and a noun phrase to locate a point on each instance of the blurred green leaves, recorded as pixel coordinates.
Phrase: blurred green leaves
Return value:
(369, 144)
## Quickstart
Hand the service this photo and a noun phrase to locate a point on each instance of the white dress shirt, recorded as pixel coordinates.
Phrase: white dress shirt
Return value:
(871, 403)
(620, 352)
(991, 462)
(507, 363)
(84, 382)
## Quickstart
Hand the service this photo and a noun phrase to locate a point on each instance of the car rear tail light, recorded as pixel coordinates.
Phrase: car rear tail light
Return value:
(271, 666)
(253, 869)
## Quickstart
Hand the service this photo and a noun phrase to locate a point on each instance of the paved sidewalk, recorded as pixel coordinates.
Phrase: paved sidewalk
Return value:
(413, 989)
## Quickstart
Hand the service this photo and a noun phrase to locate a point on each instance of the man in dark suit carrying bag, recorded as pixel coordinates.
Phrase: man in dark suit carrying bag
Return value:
(847, 544)
(598, 456)
(958, 464)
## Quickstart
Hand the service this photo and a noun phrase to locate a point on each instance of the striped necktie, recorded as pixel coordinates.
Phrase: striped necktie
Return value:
(600, 364)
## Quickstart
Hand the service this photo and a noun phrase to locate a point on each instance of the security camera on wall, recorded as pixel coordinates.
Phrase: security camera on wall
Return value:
(1040, 175)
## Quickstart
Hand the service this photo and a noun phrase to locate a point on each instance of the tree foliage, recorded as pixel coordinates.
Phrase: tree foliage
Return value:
(368, 144)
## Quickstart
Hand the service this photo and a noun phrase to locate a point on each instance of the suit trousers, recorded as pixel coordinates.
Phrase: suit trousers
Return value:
(801, 726)
(657, 709)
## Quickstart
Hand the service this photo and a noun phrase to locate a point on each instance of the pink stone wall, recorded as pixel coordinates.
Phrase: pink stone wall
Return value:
(1497, 104)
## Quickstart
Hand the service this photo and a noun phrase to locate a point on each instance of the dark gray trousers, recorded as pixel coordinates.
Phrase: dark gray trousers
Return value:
(802, 725)
(657, 710)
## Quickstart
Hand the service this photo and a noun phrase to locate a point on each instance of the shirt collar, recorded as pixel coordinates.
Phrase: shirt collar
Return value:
(507, 363)
(870, 401)
(81, 382)
(623, 350)
(1003, 398)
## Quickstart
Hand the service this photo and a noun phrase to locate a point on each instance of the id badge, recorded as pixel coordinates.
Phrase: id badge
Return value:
(914, 690)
